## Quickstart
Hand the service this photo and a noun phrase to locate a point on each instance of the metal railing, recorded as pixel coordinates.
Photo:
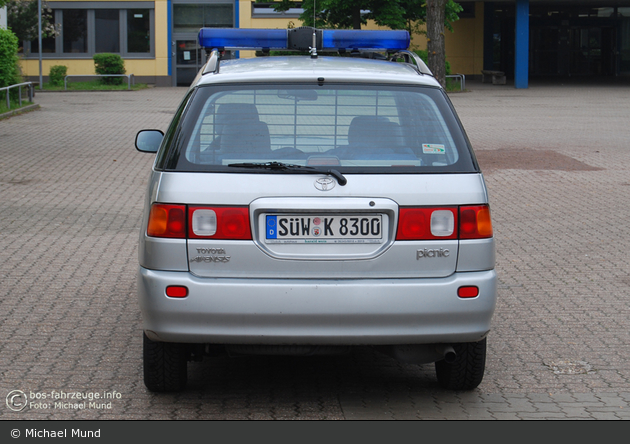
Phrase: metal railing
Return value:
(31, 92)
(462, 80)
(130, 78)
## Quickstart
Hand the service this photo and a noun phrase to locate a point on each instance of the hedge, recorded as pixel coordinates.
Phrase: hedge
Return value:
(9, 68)
(106, 63)
(57, 75)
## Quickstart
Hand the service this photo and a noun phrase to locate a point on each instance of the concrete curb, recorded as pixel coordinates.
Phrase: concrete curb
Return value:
(15, 112)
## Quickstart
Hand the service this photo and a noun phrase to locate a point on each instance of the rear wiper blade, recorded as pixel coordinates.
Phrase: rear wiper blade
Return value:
(279, 166)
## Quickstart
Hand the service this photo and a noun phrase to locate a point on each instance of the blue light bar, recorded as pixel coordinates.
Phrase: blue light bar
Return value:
(356, 39)
(331, 39)
(242, 38)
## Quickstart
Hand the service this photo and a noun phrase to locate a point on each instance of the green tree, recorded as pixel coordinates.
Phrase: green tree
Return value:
(22, 19)
(395, 14)
(344, 14)
(415, 15)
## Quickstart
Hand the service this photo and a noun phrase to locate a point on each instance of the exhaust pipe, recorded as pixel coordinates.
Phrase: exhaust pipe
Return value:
(448, 352)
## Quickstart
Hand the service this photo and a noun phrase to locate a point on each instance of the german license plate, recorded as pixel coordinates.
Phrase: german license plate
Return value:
(320, 229)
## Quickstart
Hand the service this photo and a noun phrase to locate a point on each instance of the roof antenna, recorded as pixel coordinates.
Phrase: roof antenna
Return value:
(313, 48)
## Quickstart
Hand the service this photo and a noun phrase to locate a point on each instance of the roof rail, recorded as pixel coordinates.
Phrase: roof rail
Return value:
(212, 40)
(420, 66)
(212, 65)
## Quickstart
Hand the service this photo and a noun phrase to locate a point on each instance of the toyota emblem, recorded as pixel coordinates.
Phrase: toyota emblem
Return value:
(325, 183)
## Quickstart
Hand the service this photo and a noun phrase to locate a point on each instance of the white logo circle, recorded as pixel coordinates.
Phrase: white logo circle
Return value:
(17, 400)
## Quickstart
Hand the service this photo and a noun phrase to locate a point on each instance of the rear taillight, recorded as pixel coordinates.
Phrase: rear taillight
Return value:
(178, 221)
(475, 222)
(425, 223)
(219, 223)
(167, 221)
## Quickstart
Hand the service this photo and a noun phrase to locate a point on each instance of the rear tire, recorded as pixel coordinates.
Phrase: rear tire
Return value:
(165, 365)
(466, 373)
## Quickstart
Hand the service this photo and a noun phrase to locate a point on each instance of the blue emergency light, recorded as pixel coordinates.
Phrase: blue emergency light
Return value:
(232, 38)
(354, 39)
(301, 39)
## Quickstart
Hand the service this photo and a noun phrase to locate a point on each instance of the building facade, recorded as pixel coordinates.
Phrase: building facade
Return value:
(559, 39)
(158, 38)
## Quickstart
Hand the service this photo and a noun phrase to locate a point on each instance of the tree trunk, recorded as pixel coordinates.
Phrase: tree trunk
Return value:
(436, 11)
(356, 17)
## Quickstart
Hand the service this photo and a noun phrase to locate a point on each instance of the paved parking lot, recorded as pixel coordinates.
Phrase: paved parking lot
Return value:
(556, 163)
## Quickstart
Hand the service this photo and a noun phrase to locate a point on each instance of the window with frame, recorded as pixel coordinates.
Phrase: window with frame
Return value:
(189, 17)
(107, 30)
(48, 43)
(85, 32)
(74, 31)
(138, 31)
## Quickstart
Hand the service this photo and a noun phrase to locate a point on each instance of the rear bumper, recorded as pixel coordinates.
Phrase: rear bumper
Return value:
(306, 311)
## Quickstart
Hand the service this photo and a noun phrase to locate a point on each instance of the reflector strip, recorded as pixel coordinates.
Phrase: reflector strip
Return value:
(176, 291)
(468, 292)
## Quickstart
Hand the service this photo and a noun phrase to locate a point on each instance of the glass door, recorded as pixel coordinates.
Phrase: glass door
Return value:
(593, 50)
(624, 47)
(188, 60)
(188, 18)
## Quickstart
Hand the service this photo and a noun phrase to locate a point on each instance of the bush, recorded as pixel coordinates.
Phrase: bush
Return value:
(106, 63)
(57, 75)
(424, 55)
(9, 68)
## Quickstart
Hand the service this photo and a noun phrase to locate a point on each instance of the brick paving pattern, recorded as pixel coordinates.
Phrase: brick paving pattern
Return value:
(556, 164)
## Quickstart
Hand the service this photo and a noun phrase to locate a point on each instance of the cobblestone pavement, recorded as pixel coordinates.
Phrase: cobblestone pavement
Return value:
(556, 163)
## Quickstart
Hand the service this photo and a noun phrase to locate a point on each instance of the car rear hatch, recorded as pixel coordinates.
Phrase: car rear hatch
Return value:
(300, 231)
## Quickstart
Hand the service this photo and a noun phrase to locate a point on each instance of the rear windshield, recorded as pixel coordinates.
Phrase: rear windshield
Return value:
(355, 128)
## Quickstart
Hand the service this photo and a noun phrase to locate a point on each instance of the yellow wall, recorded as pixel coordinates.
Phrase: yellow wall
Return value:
(138, 67)
(162, 46)
(464, 46)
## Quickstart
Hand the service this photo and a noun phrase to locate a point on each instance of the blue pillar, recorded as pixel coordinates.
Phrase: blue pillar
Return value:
(237, 23)
(169, 27)
(521, 62)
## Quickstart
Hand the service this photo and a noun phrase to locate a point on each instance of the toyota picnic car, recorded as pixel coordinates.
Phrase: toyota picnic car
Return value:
(306, 204)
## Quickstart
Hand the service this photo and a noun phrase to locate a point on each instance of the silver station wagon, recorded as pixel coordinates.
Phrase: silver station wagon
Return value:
(307, 204)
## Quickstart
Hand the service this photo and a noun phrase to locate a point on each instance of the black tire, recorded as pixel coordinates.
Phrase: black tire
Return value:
(466, 373)
(165, 365)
